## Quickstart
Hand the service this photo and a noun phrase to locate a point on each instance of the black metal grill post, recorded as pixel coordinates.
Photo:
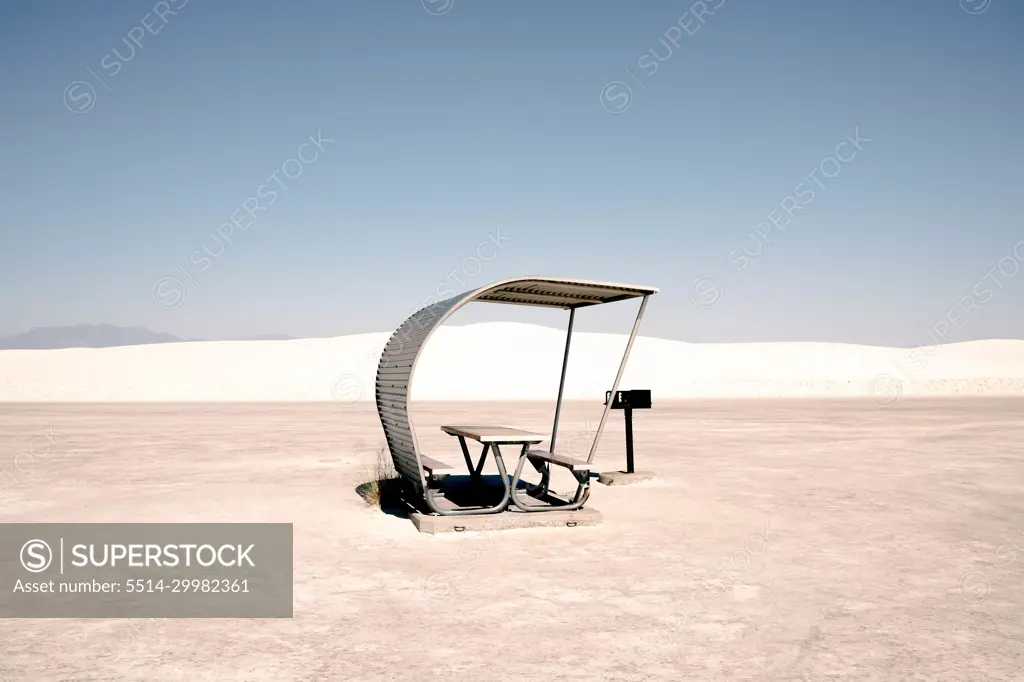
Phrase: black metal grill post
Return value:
(627, 401)
(629, 439)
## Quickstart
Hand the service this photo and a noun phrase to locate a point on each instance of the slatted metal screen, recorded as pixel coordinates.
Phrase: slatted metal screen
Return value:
(394, 374)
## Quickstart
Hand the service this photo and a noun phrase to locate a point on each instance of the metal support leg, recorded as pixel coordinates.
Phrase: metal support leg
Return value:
(483, 458)
(474, 469)
(545, 480)
(428, 496)
(583, 487)
(618, 378)
(544, 469)
(539, 490)
(542, 488)
(561, 381)
(578, 500)
(465, 453)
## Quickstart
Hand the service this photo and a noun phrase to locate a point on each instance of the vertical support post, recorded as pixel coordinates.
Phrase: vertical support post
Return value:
(618, 378)
(561, 383)
(629, 440)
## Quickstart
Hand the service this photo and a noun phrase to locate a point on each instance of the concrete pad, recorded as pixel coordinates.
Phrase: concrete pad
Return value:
(507, 520)
(624, 478)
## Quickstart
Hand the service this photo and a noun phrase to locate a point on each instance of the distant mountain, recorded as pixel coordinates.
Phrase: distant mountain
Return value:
(84, 336)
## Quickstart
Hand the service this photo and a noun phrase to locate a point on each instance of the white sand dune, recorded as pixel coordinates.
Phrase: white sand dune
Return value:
(507, 361)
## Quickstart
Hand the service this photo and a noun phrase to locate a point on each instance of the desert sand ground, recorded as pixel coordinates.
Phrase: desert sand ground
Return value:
(807, 540)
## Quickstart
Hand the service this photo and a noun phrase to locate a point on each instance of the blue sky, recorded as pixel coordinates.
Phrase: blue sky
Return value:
(659, 143)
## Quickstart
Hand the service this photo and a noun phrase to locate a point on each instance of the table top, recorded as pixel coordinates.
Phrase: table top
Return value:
(494, 434)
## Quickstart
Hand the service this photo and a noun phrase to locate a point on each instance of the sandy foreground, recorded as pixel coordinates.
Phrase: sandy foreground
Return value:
(808, 540)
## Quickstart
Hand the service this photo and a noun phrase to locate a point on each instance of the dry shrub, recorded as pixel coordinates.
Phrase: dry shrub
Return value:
(382, 486)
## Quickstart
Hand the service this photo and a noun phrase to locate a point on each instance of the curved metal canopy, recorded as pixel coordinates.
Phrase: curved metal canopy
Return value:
(398, 359)
(558, 293)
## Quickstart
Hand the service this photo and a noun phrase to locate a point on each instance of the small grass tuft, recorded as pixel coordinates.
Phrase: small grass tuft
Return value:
(382, 486)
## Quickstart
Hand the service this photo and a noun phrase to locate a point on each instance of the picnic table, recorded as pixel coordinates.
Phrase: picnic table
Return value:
(492, 438)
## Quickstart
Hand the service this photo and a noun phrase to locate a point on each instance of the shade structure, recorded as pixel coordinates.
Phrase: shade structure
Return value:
(397, 364)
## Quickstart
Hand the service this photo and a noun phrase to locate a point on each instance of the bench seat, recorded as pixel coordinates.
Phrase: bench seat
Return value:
(434, 465)
(561, 460)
